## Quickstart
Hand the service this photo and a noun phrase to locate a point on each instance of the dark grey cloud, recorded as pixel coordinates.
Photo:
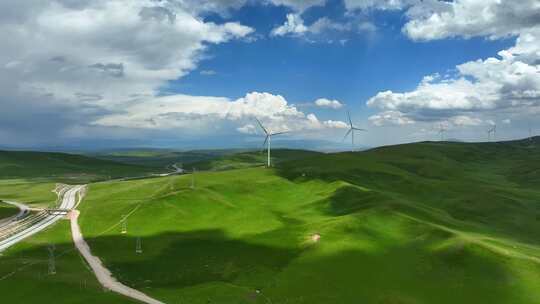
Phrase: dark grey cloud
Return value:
(59, 76)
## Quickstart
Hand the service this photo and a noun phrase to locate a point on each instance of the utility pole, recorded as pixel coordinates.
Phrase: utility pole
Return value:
(52, 264)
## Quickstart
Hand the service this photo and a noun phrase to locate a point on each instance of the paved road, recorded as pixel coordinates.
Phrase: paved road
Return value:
(23, 211)
(103, 275)
(69, 201)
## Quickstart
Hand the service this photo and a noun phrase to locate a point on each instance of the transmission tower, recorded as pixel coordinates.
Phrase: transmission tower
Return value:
(52, 264)
(138, 247)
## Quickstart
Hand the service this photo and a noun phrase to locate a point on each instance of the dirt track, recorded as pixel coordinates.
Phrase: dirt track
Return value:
(103, 275)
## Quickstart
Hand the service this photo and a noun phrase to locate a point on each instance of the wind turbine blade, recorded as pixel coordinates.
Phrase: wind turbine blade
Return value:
(349, 117)
(278, 133)
(260, 124)
(346, 134)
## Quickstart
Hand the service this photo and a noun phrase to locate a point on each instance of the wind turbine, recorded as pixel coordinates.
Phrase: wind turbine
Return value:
(442, 130)
(268, 139)
(492, 130)
(351, 130)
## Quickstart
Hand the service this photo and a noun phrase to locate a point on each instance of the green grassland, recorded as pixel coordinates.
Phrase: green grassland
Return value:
(24, 274)
(215, 160)
(250, 159)
(419, 223)
(36, 192)
(161, 158)
(7, 210)
(63, 167)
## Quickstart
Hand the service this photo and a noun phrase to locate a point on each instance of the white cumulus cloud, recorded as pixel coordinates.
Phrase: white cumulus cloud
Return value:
(506, 83)
(322, 29)
(390, 117)
(94, 58)
(293, 25)
(327, 103)
(378, 4)
(467, 18)
(298, 5)
(199, 113)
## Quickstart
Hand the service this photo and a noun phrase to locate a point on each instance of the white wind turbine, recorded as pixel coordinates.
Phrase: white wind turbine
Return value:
(492, 130)
(442, 130)
(268, 139)
(352, 128)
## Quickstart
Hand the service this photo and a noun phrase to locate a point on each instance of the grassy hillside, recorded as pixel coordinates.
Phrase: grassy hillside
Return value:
(216, 160)
(491, 186)
(7, 210)
(419, 223)
(161, 158)
(61, 166)
(251, 159)
(37, 192)
(24, 274)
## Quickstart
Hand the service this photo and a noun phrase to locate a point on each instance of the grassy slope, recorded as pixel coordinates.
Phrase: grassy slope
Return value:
(161, 158)
(7, 210)
(24, 278)
(203, 159)
(23, 268)
(31, 192)
(30, 177)
(251, 159)
(421, 223)
(62, 167)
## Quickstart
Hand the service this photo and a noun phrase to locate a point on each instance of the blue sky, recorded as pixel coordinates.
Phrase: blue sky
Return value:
(183, 73)
(352, 73)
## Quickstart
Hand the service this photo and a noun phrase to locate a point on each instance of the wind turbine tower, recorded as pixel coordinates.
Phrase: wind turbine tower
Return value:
(351, 130)
(268, 140)
(442, 130)
(492, 130)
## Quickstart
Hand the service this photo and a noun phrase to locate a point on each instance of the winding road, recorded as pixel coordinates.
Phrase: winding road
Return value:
(23, 211)
(103, 275)
(16, 231)
(21, 226)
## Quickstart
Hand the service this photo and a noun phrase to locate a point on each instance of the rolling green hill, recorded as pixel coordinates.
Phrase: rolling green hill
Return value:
(62, 167)
(7, 210)
(251, 159)
(161, 158)
(216, 160)
(419, 223)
